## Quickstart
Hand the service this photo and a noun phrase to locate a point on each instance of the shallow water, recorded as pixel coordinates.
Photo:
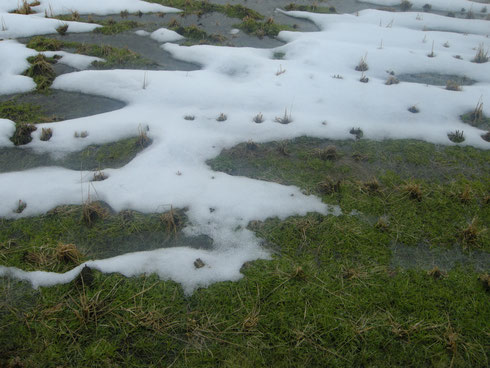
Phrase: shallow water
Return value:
(424, 257)
(435, 79)
(64, 105)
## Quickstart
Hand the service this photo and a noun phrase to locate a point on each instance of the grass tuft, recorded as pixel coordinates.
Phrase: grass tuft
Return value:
(258, 119)
(62, 29)
(413, 190)
(362, 66)
(22, 134)
(392, 80)
(92, 212)
(357, 132)
(470, 235)
(46, 134)
(405, 5)
(327, 153)
(457, 136)
(285, 119)
(414, 109)
(21, 206)
(452, 86)
(222, 117)
(481, 55)
(68, 253)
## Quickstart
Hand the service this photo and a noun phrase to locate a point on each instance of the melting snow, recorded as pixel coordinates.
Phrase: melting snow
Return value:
(239, 82)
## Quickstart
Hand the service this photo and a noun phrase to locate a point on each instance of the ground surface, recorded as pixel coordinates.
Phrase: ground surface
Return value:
(400, 278)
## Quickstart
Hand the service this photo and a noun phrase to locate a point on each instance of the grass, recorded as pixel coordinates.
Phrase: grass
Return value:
(194, 34)
(62, 29)
(46, 134)
(406, 5)
(476, 117)
(260, 29)
(41, 71)
(329, 296)
(311, 8)
(111, 27)
(453, 86)
(362, 66)
(202, 7)
(456, 136)
(285, 119)
(114, 56)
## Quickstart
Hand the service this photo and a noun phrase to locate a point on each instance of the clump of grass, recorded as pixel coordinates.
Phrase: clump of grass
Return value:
(62, 29)
(172, 221)
(251, 145)
(328, 186)
(92, 211)
(311, 8)
(427, 7)
(111, 27)
(432, 54)
(414, 109)
(327, 153)
(258, 119)
(22, 134)
(486, 136)
(68, 253)
(457, 136)
(282, 148)
(261, 29)
(24, 8)
(21, 206)
(371, 186)
(40, 43)
(189, 117)
(413, 190)
(199, 263)
(392, 80)
(465, 196)
(99, 176)
(481, 55)
(477, 115)
(446, 44)
(75, 16)
(143, 139)
(436, 273)
(356, 132)
(383, 223)
(124, 14)
(83, 134)
(362, 66)
(485, 281)
(405, 5)
(41, 72)
(470, 234)
(285, 119)
(452, 86)
(337, 76)
(221, 117)
(363, 78)
(46, 134)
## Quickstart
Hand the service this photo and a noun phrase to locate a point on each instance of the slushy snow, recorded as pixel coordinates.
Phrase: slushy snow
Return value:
(242, 82)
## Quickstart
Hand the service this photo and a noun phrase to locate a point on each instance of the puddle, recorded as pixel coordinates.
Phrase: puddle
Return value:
(94, 157)
(67, 105)
(424, 257)
(137, 242)
(435, 79)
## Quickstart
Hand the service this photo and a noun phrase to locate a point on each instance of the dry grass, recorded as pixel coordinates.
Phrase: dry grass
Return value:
(46, 134)
(452, 86)
(413, 190)
(432, 54)
(405, 5)
(92, 211)
(481, 55)
(62, 29)
(392, 80)
(21, 206)
(465, 196)
(413, 109)
(172, 221)
(222, 117)
(282, 148)
(83, 134)
(124, 14)
(372, 186)
(362, 66)
(285, 119)
(198, 263)
(143, 139)
(24, 8)
(471, 233)
(436, 273)
(328, 186)
(363, 78)
(486, 136)
(68, 253)
(99, 176)
(327, 153)
(258, 119)
(251, 145)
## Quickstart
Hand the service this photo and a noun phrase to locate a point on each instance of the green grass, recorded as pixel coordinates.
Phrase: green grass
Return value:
(110, 27)
(311, 8)
(202, 7)
(261, 29)
(115, 57)
(194, 34)
(329, 297)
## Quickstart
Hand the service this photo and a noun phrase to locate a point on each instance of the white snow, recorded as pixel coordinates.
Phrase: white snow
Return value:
(442, 5)
(76, 61)
(166, 35)
(7, 128)
(241, 82)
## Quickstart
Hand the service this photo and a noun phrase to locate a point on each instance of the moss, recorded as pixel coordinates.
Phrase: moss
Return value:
(22, 112)
(41, 72)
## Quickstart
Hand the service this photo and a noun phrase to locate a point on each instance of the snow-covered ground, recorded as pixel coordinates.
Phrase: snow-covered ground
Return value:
(240, 83)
